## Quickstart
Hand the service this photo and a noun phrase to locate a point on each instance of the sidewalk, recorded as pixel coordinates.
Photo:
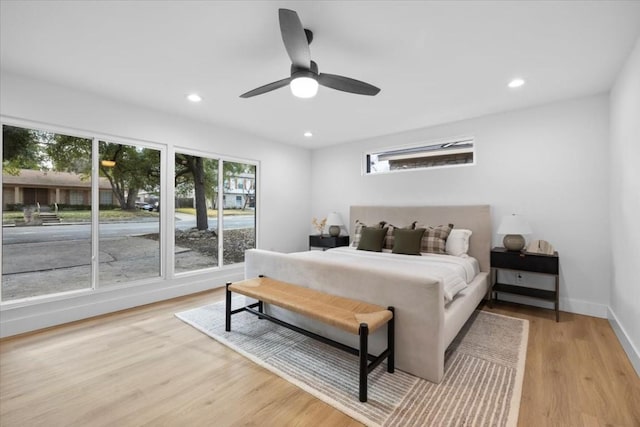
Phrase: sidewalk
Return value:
(31, 269)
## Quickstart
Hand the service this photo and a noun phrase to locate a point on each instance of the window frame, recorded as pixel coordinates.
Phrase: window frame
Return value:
(167, 274)
(220, 202)
(95, 213)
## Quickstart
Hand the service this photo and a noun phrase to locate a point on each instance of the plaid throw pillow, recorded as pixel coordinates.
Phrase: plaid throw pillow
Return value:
(357, 231)
(389, 239)
(435, 239)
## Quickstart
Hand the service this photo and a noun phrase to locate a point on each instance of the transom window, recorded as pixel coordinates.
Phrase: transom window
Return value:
(450, 152)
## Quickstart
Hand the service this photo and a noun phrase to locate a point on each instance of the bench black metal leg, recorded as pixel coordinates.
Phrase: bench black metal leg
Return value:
(227, 319)
(364, 353)
(391, 325)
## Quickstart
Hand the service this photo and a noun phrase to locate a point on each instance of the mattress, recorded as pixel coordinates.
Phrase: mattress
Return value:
(455, 273)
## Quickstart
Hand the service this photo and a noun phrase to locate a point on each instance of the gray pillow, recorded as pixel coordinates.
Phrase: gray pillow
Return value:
(407, 242)
(372, 239)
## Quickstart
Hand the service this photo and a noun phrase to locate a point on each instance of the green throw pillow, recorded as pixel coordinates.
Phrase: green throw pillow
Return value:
(372, 239)
(407, 242)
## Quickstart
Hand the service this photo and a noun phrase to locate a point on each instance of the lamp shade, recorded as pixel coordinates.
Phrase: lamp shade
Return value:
(513, 227)
(514, 224)
(334, 221)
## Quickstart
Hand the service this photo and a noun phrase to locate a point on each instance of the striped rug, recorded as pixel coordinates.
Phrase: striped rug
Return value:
(482, 383)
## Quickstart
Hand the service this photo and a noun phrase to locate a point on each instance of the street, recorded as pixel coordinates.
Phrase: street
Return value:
(47, 259)
(63, 232)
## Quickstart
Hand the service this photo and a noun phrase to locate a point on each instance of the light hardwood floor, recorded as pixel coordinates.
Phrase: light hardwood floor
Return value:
(145, 367)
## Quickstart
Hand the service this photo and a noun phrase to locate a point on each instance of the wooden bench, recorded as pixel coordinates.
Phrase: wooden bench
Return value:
(349, 315)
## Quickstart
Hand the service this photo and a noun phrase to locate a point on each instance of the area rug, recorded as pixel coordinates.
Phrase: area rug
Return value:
(482, 384)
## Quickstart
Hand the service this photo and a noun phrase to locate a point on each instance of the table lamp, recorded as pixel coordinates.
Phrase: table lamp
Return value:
(334, 222)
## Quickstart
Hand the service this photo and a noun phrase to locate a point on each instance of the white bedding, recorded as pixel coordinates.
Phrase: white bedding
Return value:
(454, 272)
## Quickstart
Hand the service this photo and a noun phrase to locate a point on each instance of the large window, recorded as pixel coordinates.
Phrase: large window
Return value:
(213, 214)
(46, 235)
(196, 212)
(85, 212)
(129, 241)
(450, 152)
(239, 211)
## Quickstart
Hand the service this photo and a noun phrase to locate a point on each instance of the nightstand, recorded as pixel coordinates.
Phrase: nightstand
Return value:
(502, 259)
(325, 241)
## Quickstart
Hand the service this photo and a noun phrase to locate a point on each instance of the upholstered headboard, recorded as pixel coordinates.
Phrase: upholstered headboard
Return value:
(476, 218)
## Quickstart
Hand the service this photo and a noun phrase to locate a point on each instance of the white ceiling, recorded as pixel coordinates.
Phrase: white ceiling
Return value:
(434, 61)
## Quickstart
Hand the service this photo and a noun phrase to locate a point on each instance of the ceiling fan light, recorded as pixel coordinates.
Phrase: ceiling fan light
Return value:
(304, 87)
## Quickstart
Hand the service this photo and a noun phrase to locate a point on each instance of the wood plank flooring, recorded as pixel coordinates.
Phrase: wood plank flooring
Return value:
(145, 367)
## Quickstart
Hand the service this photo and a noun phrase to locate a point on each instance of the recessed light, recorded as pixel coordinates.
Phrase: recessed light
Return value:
(516, 83)
(308, 134)
(194, 97)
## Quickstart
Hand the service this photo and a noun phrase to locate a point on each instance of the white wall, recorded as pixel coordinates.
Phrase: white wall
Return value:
(283, 171)
(548, 163)
(625, 206)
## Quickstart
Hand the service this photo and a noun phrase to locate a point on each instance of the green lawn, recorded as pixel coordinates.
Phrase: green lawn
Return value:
(82, 216)
(214, 212)
(117, 215)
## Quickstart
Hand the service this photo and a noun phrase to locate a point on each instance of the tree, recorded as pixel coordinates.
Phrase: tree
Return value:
(201, 175)
(250, 192)
(134, 168)
(21, 149)
(70, 154)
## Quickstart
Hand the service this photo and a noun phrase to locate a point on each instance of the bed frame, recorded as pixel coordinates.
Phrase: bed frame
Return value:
(425, 327)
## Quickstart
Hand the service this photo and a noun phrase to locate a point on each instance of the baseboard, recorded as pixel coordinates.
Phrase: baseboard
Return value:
(632, 353)
(566, 304)
(583, 307)
(16, 320)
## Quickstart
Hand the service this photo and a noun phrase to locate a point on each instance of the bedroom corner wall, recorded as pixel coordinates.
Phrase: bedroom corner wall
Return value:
(624, 312)
(549, 163)
(280, 227)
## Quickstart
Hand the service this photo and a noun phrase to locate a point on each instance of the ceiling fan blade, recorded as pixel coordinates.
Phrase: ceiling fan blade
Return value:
(345, 84)
(266, 88)
(294, 38)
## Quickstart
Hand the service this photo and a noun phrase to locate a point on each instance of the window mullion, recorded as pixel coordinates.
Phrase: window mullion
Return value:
(95, 213)
(220, 211)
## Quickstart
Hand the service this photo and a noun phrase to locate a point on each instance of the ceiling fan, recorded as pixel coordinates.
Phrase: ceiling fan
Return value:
(305, 77)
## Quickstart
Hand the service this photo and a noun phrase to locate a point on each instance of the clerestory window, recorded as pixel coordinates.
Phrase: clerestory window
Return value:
(450, 152)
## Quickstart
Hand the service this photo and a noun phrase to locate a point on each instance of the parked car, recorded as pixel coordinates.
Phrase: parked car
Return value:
(144, 206)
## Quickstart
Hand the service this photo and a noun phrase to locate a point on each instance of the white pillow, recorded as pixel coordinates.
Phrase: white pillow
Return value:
(458, 242)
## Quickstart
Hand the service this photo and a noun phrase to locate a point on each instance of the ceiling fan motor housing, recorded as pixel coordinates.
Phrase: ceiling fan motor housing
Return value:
(311, 72)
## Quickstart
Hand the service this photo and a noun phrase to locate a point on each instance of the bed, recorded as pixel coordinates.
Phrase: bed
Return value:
(428, 313)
